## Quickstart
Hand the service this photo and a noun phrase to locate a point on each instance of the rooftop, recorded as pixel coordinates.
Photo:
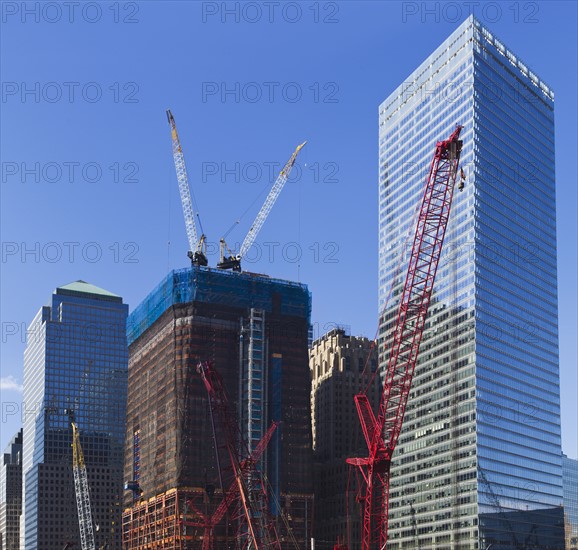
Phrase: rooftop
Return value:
(87, 290)
(218, 286)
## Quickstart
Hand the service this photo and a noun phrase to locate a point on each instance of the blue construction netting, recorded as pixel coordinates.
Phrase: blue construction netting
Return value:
(217, 286)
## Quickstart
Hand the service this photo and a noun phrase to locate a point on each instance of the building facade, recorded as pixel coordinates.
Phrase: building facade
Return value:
(341, 366)
(478, 462)
(75, 369)
(254, 330)
(11, 494)
(570, 477)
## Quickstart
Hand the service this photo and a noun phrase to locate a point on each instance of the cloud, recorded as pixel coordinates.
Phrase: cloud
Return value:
(9, 383)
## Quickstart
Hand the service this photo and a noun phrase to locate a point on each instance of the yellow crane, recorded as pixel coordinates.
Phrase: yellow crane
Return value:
(82, 494)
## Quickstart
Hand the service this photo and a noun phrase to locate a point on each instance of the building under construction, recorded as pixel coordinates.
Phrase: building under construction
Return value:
(255, 331)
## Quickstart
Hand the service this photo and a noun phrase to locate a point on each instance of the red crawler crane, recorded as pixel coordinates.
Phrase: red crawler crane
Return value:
(381, 433)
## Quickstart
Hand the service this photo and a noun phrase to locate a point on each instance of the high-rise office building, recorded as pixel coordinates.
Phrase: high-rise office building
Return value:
(11, 494)
(75, 368)
(478, 462)
(255, 332)
(570, 478)
(341, 366)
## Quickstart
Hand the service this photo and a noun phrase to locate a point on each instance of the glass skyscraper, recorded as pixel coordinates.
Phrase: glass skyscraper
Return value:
(75, 368)
(478, 463)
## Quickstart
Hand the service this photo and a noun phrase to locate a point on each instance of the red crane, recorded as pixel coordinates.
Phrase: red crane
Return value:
(208, 523)
(381, 433)
(254, 527)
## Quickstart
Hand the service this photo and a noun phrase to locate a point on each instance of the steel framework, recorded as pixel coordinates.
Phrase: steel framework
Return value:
(381, 433)
(156, 524)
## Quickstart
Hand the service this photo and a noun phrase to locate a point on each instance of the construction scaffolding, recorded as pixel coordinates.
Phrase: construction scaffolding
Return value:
(161, 522)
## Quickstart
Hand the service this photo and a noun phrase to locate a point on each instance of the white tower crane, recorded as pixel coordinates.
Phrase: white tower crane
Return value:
(197, 247)
(234, 262)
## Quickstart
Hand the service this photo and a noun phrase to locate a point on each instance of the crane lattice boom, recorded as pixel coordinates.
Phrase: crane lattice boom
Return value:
(381, 433)
(196, 246)
(233, 262)
(82, 494)
(246, 466)
(269, 202)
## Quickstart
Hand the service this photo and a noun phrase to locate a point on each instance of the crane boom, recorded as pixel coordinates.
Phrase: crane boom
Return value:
(381, 432)
(269, 202)
(82, 494)
(247, 465)
(234, 262)
(196, 252)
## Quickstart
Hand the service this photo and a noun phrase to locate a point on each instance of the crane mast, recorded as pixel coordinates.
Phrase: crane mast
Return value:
(197, 247)
(234, 262)
(382, 432)
(82, 494)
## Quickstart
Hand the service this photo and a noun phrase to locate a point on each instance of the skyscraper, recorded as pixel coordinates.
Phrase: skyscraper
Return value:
(341, 366)
(255, 330)
(478, 462)
(75, 368)
(11, 494)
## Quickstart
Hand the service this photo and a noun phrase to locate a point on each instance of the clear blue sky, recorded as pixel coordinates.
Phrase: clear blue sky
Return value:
(84, 90)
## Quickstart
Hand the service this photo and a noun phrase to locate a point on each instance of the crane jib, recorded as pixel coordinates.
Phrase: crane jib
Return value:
(234, 262)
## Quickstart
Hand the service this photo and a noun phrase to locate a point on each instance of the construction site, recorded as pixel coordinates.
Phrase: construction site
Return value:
(254, 330)
(207, 416)
(231, 437)
(217, 453)
(240, 429)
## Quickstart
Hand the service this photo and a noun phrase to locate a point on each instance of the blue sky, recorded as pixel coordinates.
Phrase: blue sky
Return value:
(88, 185)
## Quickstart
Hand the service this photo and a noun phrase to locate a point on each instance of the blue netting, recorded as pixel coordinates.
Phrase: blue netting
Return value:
(216, 286)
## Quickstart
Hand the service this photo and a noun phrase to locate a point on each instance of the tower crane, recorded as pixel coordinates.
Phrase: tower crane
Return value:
(381, 433)
(234, 262)
(197, 247)
(82, 494)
